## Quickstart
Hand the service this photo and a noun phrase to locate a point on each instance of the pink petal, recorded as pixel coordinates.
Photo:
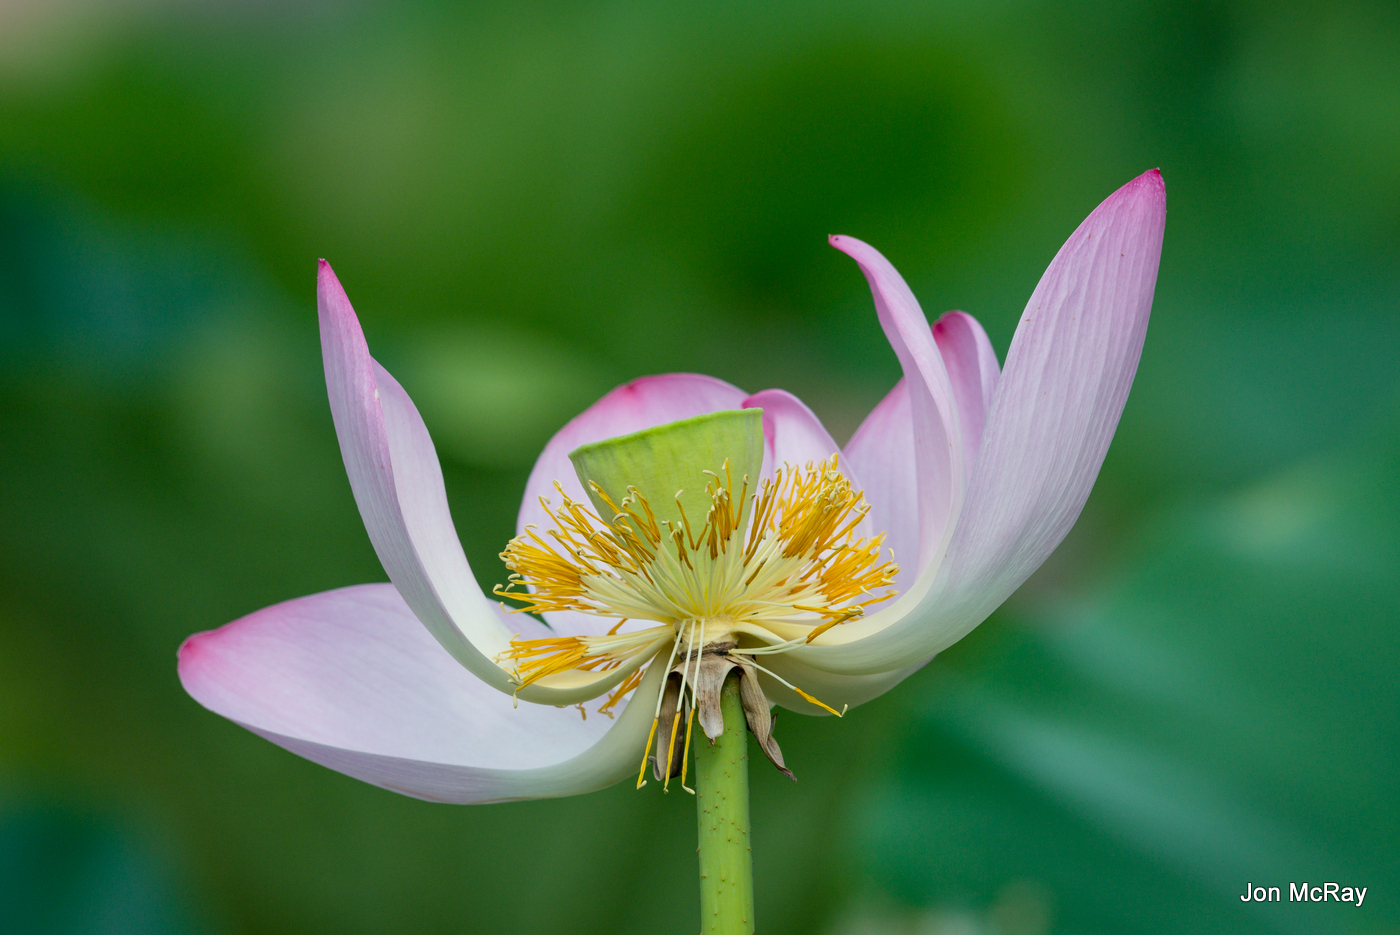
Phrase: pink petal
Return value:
(397, 481)
(973, 371)
(795, 435)
(350, 679)
(1053, 415)
(882, 450)
(1067, 377)
(938, 444)
(394, 472)
(631, 407)
(793, 432)
(882, 453)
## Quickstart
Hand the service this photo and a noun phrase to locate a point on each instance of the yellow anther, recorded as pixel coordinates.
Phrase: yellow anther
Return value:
(822, 704)
(641, 773)
(685, 754)
(783, 557)
(789, 551)
(670, 753)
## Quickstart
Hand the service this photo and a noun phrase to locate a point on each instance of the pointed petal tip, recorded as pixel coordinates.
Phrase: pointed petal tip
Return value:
(333, 304)
(869, 259)
(192, 659)
(326, 279)
(189, 649)
(846, 243)
(1149, 185)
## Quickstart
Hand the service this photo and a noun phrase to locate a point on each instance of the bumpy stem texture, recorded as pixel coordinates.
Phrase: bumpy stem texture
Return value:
(722, 801)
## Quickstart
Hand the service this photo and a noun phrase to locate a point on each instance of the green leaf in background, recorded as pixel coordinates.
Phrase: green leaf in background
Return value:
(1227, 713)
(68, 873)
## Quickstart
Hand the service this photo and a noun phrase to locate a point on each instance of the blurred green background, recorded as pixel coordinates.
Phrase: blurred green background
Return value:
(529, 205)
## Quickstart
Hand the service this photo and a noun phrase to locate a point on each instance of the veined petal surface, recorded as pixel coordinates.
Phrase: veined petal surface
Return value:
(1068, 372)
(882, 452)
(1053, 414)
(350, 679)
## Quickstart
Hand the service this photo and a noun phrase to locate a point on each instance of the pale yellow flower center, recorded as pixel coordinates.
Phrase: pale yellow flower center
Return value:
(760, 573)
(786, 559)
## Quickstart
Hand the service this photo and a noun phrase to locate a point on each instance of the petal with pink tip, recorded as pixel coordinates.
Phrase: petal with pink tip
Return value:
(973, 371)
(397, 481)
(1053, 414)
(1067, 377)
(882, 450)
(631, 407)
(938, 444)
(351, 680)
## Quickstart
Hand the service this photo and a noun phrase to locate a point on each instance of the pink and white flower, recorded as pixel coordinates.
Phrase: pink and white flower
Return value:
(973, 473)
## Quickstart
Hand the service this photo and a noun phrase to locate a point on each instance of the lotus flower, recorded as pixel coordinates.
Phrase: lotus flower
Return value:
(970, 476)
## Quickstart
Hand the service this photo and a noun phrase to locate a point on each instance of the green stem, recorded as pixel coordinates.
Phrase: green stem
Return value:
(722, 803)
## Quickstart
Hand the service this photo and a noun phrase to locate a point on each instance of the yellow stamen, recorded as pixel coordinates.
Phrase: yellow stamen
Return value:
(685, 754)
(629, 683)
(790, 549)
(532, 660)
(781, 557)
(821, 704)
(670, 752)
(778, 678)
(641, 773)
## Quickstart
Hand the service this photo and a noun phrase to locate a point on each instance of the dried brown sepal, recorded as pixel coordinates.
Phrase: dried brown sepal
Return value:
(715, 665)
(759, 714)
(705, 679)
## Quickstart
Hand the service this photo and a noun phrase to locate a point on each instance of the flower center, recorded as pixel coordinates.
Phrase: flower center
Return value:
(786, 559)
(759, 571)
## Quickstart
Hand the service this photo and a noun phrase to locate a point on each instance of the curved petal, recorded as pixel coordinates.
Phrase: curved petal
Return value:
(882, 453)
(1053, 415)
(397, 481)
(973, 371)
(351, 680)
(938, 445)
(631, 407)
(882, 449)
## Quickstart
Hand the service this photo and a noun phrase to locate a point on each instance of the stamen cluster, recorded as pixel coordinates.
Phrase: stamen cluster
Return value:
(787, 555)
